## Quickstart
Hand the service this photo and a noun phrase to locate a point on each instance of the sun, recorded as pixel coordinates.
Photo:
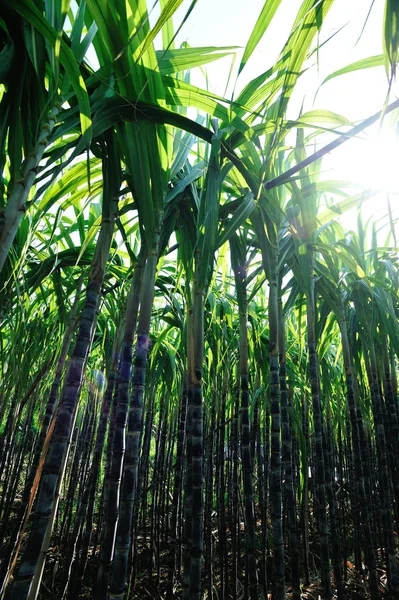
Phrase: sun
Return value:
(377, 165)
(370, 160)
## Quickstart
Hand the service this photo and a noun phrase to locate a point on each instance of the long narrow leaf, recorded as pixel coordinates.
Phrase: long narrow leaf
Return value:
(263, 22)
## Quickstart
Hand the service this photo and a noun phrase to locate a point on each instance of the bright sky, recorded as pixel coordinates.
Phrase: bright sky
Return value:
(229, 23)
(370, 160)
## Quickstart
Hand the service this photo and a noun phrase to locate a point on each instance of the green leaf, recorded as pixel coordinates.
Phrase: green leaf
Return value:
(194, 173)
(28, 10)
(168, 32)
(72, 182)
(182, 146)
(364, 63)
(182, 59)
(89, 237)
(307, 24)
(344, 253)
(391, 36)
(322, 116)
(167, 12)
(181, 93)
(86, 42)
(339, 208)
(239, 217)
(207, 222)
(263, 22)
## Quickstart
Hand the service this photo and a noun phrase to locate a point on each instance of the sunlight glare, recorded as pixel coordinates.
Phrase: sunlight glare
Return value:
(373, 162)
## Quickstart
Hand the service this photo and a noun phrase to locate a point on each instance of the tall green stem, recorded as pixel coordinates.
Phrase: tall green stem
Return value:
(16, 205)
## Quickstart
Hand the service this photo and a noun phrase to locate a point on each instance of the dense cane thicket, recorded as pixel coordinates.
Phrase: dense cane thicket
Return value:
(198, 392)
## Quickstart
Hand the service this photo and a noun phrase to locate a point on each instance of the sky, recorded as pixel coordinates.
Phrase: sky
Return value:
(371, 160)
(229, 23)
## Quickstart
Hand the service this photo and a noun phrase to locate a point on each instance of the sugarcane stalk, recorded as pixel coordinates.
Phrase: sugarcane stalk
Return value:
(364, 501)
(134, 427)
(320, 488)
(240, 275)
(111, 504)
(16, 206)
(289, 492)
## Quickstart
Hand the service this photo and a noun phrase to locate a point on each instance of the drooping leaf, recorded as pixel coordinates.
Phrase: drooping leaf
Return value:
(364, 63)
